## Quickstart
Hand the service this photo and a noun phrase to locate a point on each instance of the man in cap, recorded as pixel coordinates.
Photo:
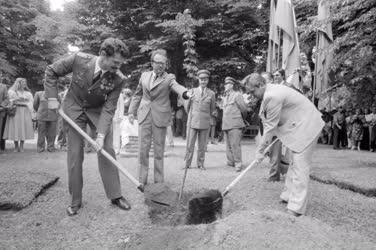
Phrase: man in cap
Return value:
(151, 100)
(297, 123)
(234, 108)
(200, 108)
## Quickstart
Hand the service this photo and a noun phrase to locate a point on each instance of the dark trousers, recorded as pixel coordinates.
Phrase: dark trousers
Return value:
(2, 127)
(339, 137)
(108, 172)
(46, 132)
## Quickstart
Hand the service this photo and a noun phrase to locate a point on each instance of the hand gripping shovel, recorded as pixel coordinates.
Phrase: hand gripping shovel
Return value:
(158, 193)
(204, 206)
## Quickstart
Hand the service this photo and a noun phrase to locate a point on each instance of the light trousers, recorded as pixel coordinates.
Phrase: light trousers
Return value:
(296, 190)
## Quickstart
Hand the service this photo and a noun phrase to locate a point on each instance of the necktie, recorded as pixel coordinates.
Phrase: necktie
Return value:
(97, 76)
(202, 92)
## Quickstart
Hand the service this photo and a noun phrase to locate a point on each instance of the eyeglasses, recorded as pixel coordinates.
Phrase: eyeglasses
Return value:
(159, 63)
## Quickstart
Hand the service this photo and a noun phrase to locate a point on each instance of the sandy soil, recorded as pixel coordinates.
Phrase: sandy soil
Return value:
(253, 216)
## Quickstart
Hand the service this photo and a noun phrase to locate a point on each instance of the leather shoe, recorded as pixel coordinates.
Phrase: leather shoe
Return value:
(274, 179)
(71, 211)
(201, 167)
(290, 212)
(122, 203)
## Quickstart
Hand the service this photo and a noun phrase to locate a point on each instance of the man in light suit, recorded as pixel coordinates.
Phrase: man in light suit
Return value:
(47, 121)
(91, 99)
(297, 123)
(4, 102)
(152, 103)
(200, 109)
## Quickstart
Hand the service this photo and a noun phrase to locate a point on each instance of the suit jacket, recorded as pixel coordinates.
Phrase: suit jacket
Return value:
(155, 99)
(290, 116)
(201, 108)
(234, 108)
(97, 100)
(41, 107)
(4, 100)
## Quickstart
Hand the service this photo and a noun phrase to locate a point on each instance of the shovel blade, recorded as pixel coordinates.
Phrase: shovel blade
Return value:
(161, 194)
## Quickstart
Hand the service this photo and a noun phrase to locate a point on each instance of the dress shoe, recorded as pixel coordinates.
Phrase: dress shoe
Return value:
(201, 167)
(290, 212)
(230, 164)
(51, 150)
(71, 211)
(122, 203)
(40, 150)
(274, 179)
(283, 201)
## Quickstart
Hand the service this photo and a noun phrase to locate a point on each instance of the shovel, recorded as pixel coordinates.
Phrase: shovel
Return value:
(204, 206)
(155, 192)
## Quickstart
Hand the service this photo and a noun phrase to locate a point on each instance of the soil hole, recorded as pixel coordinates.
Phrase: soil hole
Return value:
(179, 214)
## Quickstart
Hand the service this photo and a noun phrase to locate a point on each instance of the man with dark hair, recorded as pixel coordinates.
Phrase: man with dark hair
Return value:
(297, 123)
(91, 99)
(152, 103)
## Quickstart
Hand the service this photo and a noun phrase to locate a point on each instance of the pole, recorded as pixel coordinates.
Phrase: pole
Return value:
(316, 63)
(279, 45)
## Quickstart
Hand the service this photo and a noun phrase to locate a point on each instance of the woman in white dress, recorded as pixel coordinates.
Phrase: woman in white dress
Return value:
(19, 127)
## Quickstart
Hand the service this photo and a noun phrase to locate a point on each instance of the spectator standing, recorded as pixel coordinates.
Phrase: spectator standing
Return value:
(19, 127)
(365, 143)
(61, 125)
(4, 102)
(234, 108)
(47, 121)
(339, 129)
(357, 121)
(181, 119)
(371, 120)
(200, 110)
(116, 121)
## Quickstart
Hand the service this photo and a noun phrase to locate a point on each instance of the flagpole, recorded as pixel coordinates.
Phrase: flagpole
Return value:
(316, 63)
(279, 45)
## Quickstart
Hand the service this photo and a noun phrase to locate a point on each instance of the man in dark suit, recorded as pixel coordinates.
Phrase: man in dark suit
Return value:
(91, 99)
(47, 120)
(152, 103)
(201, 108)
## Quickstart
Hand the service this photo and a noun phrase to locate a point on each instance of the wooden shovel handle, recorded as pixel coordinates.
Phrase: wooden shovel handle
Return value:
(102, 151)
(237, 179)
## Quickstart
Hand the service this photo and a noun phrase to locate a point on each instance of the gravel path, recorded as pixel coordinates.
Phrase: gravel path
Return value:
(253, 218)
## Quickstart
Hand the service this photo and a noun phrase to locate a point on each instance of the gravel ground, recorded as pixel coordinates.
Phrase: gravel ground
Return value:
(253, 216)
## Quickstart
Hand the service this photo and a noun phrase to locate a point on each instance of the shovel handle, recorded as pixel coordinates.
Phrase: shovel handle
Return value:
(102, 151)
(237, 179)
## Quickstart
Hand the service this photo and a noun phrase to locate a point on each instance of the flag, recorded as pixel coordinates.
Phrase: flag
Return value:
(285, 20)
(324, 53)
(271, 64)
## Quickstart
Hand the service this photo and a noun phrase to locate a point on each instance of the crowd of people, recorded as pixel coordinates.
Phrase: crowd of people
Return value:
(99, 105)
(350, 129)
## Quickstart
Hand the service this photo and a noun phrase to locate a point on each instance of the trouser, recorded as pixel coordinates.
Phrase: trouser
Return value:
(170, 136)
(297, 179)
(46, 132)
(372, 137)
(339, 137)
(211, 133)
(117, 136)
(109, 173)
(275, 160)
(147, 131)
(202, 135)
(2, 128)
(233, 147)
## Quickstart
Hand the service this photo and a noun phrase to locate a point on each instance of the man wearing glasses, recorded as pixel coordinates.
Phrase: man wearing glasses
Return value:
(152, 103)
(91, 99)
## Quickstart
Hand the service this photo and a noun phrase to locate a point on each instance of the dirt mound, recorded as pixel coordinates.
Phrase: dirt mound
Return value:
(251, 230)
